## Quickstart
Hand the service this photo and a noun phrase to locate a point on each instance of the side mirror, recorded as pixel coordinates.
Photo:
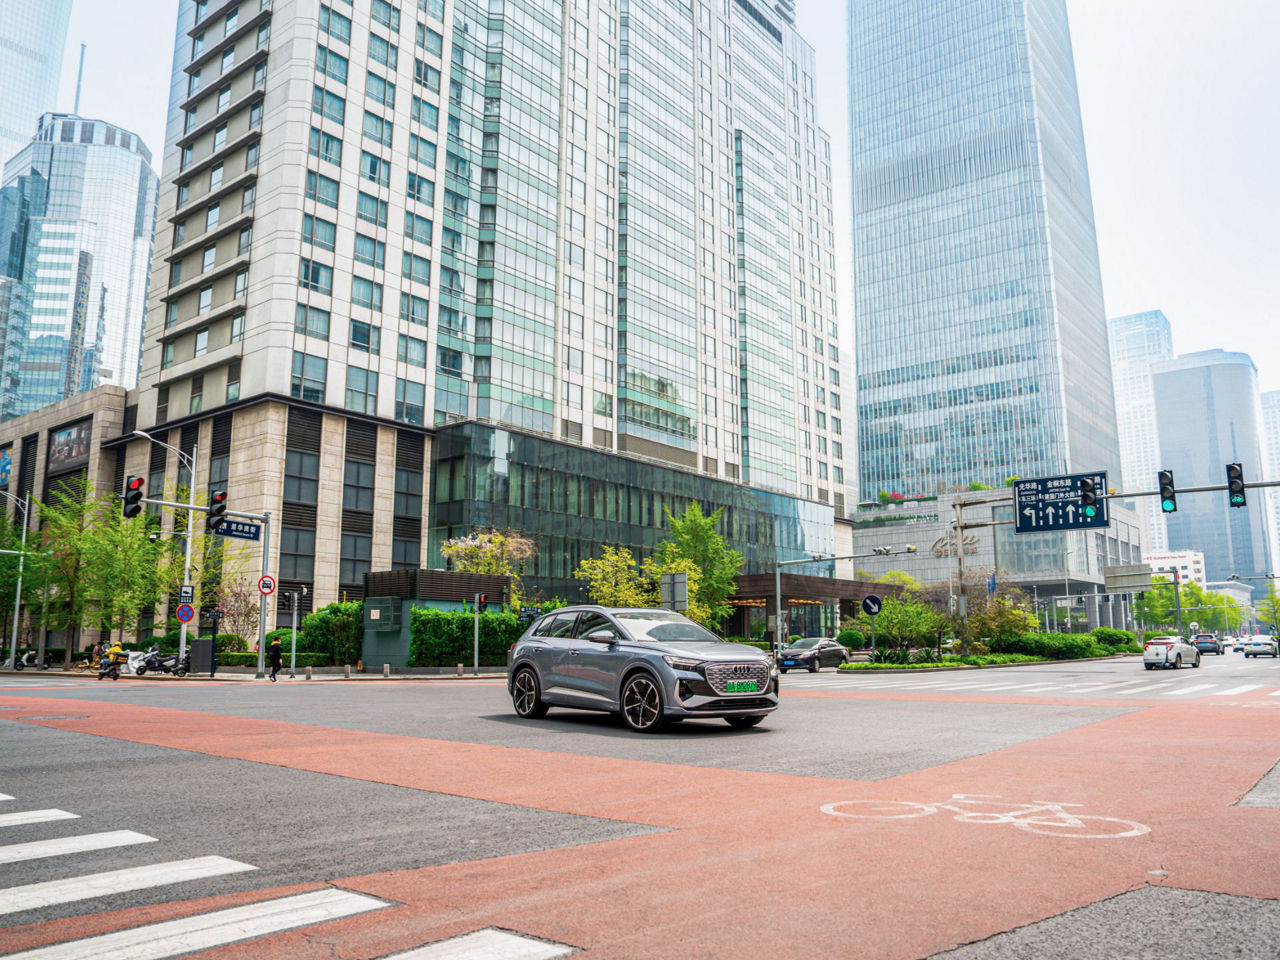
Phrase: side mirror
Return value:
(602, 636)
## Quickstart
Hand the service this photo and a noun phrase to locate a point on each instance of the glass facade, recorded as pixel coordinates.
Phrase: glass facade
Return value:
(32, 38)
(1271, 448)
(981, 338)
(1136, 342)
(574, 500)
(82, 202)
(1208, 415)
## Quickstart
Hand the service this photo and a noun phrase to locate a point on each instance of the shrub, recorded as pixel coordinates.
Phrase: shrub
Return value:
(336, 630)
(250, 659)
(1112, 637)
(231, 643)
(1053, 646)
(853, 639)
(794, 637)
(442, 638)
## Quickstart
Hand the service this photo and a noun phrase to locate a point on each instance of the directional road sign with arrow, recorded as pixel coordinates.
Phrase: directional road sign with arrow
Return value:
(1048, 504)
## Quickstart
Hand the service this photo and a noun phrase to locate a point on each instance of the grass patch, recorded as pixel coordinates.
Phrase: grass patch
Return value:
(986, 660)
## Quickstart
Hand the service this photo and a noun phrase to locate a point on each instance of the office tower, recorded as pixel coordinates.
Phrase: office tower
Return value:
(82, 243)
(1137, 341)
(1208, 415)
(33, 34)
(1271, 449)
(980, 331)
(474, 272)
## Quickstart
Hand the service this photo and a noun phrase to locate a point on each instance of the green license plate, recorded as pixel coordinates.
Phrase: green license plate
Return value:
(741, 686)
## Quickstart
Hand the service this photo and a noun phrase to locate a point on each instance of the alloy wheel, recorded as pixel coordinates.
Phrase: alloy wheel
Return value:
(524, 695)
(642, 704)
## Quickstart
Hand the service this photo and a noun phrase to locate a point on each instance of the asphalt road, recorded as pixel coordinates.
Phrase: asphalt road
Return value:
(433, 799)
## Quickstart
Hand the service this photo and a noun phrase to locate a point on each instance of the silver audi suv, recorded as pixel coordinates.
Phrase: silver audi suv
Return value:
(650, 666)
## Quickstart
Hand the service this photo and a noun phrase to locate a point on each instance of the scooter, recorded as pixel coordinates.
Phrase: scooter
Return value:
(156, 662)
(26, 661)
(111, 664)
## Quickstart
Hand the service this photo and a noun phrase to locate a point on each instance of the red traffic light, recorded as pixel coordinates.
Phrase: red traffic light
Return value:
(133, 488)
(217, 510)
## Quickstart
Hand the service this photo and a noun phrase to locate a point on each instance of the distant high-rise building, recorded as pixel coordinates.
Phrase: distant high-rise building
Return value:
(1137, 341)
(81, 214)
(1208, 415)
(33, 34)
(980, 330)
(1271, 449)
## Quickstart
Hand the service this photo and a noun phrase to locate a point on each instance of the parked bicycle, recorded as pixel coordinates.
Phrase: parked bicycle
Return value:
(1039, 816)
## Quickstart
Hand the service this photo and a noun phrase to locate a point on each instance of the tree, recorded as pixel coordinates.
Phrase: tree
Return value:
(1269, 608)
(614, 581)
(697, 611)
(64, 529)
(1001, 619)
(119, 565)
(239, 600)
(493, 552)
(909, 584)
(901, 621)
(693, 536)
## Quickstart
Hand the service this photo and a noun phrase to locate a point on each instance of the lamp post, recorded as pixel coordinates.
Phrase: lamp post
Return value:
(816, 558)
(190, 462)
(25, 507)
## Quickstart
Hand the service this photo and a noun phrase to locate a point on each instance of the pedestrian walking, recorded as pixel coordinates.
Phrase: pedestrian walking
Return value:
(276, 657)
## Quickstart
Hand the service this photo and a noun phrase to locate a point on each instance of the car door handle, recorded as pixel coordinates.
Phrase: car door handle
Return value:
(573, 651)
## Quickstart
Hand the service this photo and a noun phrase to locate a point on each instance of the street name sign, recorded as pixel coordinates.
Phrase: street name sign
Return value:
(1049, 504)
(240, 529)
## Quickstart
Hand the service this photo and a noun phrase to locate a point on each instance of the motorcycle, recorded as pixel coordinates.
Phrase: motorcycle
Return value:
(156, 662)
(26, 661)
(110, 665)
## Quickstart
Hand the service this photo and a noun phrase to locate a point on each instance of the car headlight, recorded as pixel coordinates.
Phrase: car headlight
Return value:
(682, 663)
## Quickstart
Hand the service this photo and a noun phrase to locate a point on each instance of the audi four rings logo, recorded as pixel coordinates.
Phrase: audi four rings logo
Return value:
(741, 669)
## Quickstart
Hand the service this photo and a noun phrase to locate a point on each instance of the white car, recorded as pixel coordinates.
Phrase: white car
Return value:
(1169, 652)
(1260, 645)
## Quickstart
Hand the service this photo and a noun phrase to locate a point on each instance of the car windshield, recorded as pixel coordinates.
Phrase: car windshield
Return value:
(805, 643)
(661, 626)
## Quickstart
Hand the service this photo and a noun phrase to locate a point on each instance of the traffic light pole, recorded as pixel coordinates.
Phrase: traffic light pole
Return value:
(186, 563)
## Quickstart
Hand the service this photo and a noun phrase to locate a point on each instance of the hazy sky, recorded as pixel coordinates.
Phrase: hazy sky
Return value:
(1181, 107)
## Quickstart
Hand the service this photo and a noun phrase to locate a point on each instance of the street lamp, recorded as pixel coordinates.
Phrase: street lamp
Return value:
(25, 507)
(190, 463)
(815, 558)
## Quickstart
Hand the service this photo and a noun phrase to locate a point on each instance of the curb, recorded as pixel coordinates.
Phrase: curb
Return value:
(989, 666)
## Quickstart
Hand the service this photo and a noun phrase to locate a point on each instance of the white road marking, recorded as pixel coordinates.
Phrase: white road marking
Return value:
(33, 896)
(961, 686)
(65, 845)
(1040, 686)
(35, 816)
(1183, 691)
(5, 796)
(488, 944)
(208, 930)
(1234, 690)
(1276, 694)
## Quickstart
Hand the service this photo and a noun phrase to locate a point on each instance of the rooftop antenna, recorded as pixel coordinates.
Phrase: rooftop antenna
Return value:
(79, 80)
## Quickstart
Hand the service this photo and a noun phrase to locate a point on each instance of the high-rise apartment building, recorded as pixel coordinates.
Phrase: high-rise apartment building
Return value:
(980, 330)
(33, 34)
(81, 215)
(542, 266)
(1208, 415)
(1271, 452)
(1137, 341)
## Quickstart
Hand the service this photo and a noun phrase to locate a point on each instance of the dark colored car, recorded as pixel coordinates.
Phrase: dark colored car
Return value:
(651, 667)
(1208, 643)
(812, 654)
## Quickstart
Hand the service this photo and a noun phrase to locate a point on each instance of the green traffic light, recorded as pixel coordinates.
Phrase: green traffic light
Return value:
(1237, 500)
(1091, 512)
(1168, 506)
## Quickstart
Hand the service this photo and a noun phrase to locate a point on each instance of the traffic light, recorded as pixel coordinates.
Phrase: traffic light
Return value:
(481, 601)
(1168, 493)
(133, 496)
(1088, 497)
(1235, 484)
(217, 511)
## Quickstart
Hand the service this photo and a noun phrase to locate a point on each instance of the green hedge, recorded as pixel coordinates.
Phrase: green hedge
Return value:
(1114, 638)
(251, 660)
(336, 631)
(443, 638)
(1052, 646)
(986, 660)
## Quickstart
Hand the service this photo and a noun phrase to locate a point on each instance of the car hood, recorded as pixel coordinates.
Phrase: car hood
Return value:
(796, 651)
(708, 651)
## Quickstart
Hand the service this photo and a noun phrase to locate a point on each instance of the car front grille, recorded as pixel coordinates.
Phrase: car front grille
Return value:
(719, 675)
(744, 703)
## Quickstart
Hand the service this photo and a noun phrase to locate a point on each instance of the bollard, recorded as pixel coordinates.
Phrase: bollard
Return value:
(459, 669)
(308, 673)
(346, 671)
(386, 669)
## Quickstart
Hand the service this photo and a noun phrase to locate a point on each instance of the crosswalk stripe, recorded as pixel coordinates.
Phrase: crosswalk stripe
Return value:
(488, 944)
(33, 896)
(5, 796)
(1276, 694)
(34, 816)
(38, 849)
(1234, 690)
(209, 930)
(1183, 691)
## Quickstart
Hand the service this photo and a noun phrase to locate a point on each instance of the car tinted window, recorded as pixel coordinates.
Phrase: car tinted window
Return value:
(561, 625)
(595, 623)
(804, 643)
(660, 626)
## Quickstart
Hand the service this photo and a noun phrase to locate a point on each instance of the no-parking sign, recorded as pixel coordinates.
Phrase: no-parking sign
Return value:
(185, 612)
(266, 584)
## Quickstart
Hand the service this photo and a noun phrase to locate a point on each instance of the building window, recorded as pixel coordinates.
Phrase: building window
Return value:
(449, 361)
(206, 300)
(197, 394)
(315, 276)
(242, 284)
(370, 251)
(372, 209)
(162, 414)
(325, 146)
(335, 24)
(309, 374)
(301, 476)
(259, 75)
(202, 342)
(375, 169)
(417, 228)
(319, 233)
(411, 401)
(297, 553)
(365, 337)
(208, 258)
(356, 552)
(331, 64)
(421, 189)
(170, 315)
(211, 217)
(357, 486)
(233, 381)
(366, 293)
(224, 98)
(246, 203)
(405, 554)
(412, 351)
(362, 390)
(387, 15)
(237, 328)
(246, 240)
(228, 59)
(311, 321)
(414, 267)
(377, 129)
(380, 91)
(328, 105)
(220, 137)
(215, 176)
(175, 274)
(413, 309)
(166, 356)
(408, 493)
(255, 116)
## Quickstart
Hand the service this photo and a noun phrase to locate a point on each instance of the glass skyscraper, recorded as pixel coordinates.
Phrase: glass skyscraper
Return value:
(33, 34)
(980, 331)
(1208, 413)
(81, 215)
(1271, 450)
(1138, 341)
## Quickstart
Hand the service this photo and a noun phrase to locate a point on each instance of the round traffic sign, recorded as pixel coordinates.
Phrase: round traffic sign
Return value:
(871, 604)
(185, 612)
(266, 584)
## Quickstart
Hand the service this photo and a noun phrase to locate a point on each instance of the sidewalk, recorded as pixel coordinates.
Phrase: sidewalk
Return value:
(246, 675)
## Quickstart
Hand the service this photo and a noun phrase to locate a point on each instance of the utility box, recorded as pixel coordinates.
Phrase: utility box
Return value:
(202, 655)
(386, 632)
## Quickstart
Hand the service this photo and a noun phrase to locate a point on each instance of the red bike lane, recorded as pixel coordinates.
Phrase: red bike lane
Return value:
(749, 862)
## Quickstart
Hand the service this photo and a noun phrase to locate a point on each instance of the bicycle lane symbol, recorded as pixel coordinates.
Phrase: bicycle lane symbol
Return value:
(1044, 817)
